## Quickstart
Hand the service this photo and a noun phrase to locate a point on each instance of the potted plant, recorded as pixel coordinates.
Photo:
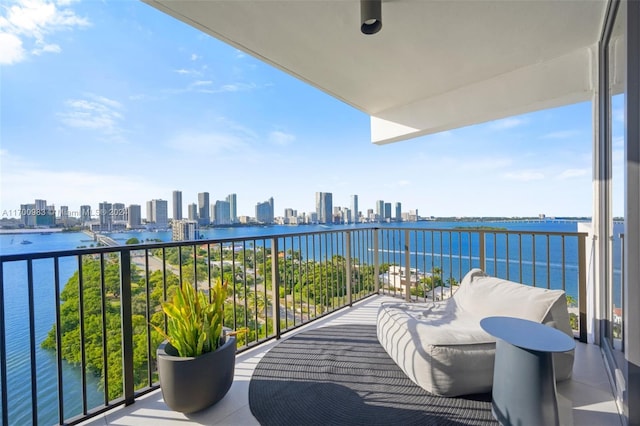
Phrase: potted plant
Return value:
(196, 362)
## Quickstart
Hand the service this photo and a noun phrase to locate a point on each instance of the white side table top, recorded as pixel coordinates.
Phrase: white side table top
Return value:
(528, 334)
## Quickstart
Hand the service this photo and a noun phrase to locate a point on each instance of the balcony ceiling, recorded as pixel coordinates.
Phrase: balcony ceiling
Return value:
(434, 66)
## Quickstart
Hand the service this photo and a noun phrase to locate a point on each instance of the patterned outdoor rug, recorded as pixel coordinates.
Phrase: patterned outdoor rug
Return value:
(341, 375)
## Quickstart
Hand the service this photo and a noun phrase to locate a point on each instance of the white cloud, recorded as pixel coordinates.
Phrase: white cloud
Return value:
(48, 48)
(195, 57)
(507, 123)
(11, 50)
(144, 97)
(524, 175)
(281, 138)
(27, 24)
(95, 113)
(188, 71)
(106, 101)
(202, 83)
(237, 87)
(206, 86)
(573, 173)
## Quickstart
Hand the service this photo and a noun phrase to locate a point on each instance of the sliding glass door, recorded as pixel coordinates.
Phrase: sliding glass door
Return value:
(618, 174)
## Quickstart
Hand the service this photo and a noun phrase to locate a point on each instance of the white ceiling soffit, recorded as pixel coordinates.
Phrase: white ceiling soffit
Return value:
(434, 66)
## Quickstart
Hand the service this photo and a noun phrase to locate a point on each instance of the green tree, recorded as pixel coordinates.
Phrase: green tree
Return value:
(95, 304)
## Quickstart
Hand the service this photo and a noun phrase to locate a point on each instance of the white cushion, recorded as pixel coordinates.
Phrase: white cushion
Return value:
(483, 296)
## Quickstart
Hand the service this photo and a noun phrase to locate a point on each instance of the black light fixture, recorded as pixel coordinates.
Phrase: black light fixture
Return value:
(370, 16)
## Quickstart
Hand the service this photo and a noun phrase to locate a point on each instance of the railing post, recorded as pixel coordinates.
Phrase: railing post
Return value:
(83, 356)
(32, 343)
(127, 327)
(3, 353)
(376, 261)
(622, 295)
(407, 266)
(275, 279)
(582, 288)
(348, 266)
(483, 259)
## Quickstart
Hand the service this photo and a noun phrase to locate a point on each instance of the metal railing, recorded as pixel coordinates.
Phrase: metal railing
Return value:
(90, 341)
(438, 259)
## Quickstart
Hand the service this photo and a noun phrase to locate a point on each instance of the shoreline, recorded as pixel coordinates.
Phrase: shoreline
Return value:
(576, 219)
(30, 231)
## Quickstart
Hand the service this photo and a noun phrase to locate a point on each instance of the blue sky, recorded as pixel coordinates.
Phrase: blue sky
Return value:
(116, 101)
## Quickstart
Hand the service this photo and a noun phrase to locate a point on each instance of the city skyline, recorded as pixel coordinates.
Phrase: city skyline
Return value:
(171, 107)
(324, 210)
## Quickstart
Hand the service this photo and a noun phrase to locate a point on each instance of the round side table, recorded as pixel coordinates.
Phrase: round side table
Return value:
(524, 384)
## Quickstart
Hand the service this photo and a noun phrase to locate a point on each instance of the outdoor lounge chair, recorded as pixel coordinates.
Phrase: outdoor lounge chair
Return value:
(441, 346)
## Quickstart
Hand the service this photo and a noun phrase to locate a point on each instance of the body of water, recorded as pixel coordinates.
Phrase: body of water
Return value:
(17, 313)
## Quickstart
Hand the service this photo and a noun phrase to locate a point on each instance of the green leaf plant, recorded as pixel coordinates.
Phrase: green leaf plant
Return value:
(194, 320)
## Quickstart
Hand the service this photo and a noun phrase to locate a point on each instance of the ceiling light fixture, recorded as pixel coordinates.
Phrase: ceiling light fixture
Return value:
(370, 16)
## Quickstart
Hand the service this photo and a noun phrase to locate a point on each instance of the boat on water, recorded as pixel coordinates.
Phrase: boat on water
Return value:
(26, 242)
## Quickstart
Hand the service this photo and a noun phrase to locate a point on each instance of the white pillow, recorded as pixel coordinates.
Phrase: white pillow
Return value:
(483, 296)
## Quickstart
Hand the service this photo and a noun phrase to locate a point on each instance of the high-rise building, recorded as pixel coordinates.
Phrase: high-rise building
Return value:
(64, 215)
(380, 210)
(28, 215)
(318, 204)
(149, 211)
(51, 216)
(160, 213)
(354, 208)
(232, 199)
(184, 230)
(105, 217)
(45, 215)
(134, 215)
(411, 216)
(264, 211)
(177, 205)
(203, 208)
(119, 212)
(387, 211)
(192, 211)
(41, 206)
(85, 214)
(343, 215)
(222, 213)
(324, 207)
(398, 212)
